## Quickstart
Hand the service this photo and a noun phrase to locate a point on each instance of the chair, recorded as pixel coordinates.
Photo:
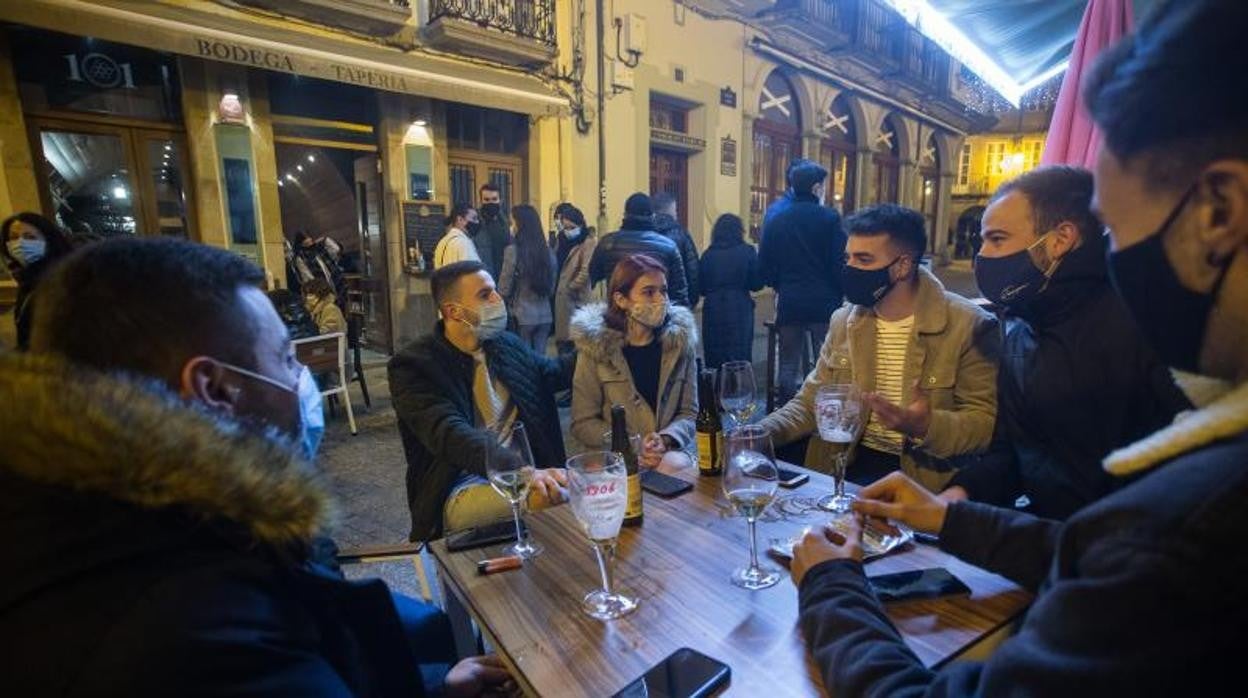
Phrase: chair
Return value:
(416, 552)
(325, 353)
(355, 325)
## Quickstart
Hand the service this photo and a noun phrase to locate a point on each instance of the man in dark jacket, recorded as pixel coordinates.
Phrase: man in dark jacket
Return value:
(665, 224)
(783, 203)
(1077, 380)
(637, 235)
(455, 389)
(494, 234)
(157, 525)
(1144, 592)
(801, 257)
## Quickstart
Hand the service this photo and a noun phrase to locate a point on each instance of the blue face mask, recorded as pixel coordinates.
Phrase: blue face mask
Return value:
(27, 251)
(311, 426)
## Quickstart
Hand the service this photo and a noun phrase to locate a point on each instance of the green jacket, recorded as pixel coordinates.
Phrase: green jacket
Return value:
(953, 356)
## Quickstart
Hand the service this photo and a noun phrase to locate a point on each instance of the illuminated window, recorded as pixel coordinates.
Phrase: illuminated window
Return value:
(996, 158)
(1032, 150)
(964, 166)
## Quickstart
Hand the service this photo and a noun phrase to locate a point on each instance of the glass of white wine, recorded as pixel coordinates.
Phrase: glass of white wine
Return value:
(736, 390)
(598, 490)
(838, 412)
(510, 470)
(750, 481)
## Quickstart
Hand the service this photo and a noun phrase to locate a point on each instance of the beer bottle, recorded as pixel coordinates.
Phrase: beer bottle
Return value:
(621, 444)
(710, 426)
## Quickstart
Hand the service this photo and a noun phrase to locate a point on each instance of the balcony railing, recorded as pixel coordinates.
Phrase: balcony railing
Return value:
(528, 19)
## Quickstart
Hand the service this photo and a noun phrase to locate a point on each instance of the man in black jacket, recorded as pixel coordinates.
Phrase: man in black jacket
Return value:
(494, 234)
(801, 257)
(455, 389)
(160, 532)
(665, 224)
(1144, 592)
(1077, 380)
(637, 236)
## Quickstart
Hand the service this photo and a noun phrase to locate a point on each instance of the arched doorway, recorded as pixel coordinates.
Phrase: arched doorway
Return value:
(929, 192)
(886, 156)
(837, 152)
(777, 141)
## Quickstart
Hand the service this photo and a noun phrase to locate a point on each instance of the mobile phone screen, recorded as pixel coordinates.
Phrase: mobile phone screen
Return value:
(684, 674)
(917, 584)
(481, 536)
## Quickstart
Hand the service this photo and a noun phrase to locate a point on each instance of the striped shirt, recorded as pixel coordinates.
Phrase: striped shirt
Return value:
(892, 340)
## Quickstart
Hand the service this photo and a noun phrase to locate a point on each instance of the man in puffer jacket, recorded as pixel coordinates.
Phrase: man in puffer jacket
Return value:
(638, 236)
(665, 224)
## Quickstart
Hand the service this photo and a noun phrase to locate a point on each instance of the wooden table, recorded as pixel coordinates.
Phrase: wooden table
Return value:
(678, 563)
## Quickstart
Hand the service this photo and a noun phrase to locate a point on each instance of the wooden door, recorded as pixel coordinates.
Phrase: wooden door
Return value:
(469, 171)
(669, 173)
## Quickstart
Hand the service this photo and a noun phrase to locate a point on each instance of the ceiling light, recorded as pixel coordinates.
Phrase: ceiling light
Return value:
(299, 167)
(420, 122)
(311, 158)
(120, 193)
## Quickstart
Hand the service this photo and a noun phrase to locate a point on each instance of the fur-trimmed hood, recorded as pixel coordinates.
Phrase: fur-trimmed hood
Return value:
(595, 339)
(134, 441)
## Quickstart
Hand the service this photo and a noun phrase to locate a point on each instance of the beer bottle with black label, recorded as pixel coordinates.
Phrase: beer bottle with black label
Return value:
(621, 444)
(710, 427)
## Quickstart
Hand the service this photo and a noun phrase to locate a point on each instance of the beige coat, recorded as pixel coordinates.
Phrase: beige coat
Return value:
(327, 316)
(573, 289)
(954, 358)
(603, 379)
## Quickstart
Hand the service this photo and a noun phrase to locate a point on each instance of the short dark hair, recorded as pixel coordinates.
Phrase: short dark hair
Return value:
(1056, 193)
(445, 278)
(806, 174)
(489, 186)
(1166, 92)
(572, 213)
(904, 226)
(319, 288)
(147, 305)
(460, 209)
(662, 201)
(638, 205)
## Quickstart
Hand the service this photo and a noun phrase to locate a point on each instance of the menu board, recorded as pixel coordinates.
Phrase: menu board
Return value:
(424, 222)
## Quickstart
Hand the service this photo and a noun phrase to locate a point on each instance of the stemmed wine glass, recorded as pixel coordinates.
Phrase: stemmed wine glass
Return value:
(510, 470)
(736, 390)
(838, 412)
(598, 490)
(750, 481)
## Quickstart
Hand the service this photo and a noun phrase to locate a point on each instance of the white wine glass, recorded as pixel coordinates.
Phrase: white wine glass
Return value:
(598, 490)
(838, 413)
(736, 390)
(510, 470)
(750, 481)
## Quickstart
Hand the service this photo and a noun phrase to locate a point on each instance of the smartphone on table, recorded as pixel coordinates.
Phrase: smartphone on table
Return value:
(917, 584)
(662, 484)
(482, 536)
(686, 673)
(791, 478)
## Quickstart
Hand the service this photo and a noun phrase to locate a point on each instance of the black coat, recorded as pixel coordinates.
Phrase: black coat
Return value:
(1143, 593)
(154, 550)
(729, 273)
(24, 310)
(1076, 382)
(671, 229)
(431, 387)
(637, 236)
(801, 256)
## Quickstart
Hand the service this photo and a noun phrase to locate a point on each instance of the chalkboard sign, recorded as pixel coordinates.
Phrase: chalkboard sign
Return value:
(424, 222)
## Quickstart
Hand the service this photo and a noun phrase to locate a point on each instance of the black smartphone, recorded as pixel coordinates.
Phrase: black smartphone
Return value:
(482, 536)
(791, 478)
(685, 673)
(663, 485)
(917, 584)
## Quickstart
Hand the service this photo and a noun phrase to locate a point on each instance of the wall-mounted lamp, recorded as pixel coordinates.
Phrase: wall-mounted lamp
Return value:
(230, 109)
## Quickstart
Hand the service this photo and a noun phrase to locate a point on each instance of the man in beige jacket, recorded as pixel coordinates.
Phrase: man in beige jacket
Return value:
(924, 359)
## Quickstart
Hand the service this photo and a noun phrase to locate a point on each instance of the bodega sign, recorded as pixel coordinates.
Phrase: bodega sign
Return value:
(231, 52)
(269, 59)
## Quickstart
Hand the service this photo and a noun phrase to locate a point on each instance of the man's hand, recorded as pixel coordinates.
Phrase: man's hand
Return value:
(913, 420)
(957, 493)
(652, 450)
(901, 499)
(478, 676)
(826, 544)
(547, 488)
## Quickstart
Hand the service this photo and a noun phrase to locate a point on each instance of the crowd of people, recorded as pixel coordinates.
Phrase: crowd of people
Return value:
(165, 525)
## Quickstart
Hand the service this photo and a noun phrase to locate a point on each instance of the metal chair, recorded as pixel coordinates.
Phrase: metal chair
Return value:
(355, 326)
(323, 354)
(416, 552)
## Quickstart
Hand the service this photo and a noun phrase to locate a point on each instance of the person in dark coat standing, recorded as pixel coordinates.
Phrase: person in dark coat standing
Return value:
(665, 224)
(1077, 380)
(173, 540)
(1143, 592)
(729, 272)
(32, 245)
(493, 236)
(637, 236)
(779, 205)
(801, 257)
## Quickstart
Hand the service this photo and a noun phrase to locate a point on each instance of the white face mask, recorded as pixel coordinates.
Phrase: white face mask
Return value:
(491, 320)
(649, 314)
(27, 251)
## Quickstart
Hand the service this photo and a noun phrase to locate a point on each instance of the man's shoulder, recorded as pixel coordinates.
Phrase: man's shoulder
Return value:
(965, 310)
(419, 351)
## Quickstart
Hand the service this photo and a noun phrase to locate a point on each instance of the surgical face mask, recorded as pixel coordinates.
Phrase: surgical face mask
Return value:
(1172, 317)
(571, 233)
(1013, 279)
(311, 426)
(27, 251)
(491, 320)
(649, 314)
(866, 286)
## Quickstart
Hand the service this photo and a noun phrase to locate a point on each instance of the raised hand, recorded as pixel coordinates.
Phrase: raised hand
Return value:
(912, 420)
(901, 499)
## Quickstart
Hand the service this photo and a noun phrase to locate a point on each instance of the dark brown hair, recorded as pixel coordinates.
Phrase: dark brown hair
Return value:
(623, 278)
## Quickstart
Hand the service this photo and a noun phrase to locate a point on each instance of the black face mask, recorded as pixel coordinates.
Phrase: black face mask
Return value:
(1172, 317)
(866, 286)
(473, 227)
(491, 211)
(1010, 280)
